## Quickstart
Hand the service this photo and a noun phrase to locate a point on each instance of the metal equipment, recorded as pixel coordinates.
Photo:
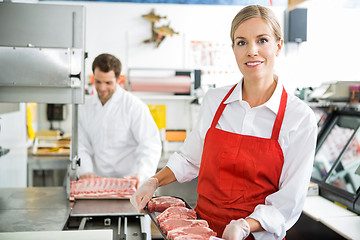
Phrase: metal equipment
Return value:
(42, 58)
(43, 213)
(117, 215)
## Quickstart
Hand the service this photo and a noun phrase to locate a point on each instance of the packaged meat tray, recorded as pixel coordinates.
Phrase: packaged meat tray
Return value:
(175, 219)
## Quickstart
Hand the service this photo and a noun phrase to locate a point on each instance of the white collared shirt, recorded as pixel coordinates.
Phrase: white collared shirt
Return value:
(118, 139)
(297, 140)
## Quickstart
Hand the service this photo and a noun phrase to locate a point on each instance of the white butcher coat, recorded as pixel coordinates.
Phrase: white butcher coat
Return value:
(118, 139)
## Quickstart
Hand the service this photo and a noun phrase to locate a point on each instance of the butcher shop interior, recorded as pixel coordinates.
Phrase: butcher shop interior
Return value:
(103, 103)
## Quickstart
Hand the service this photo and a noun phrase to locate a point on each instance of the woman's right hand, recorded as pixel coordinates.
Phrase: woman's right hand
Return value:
(144, 194)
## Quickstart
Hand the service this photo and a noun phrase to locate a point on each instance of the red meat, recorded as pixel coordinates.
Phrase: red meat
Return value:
(190, 233)
(159, 204)
(177, 213)
(191, 237)
(103, 188)
(172, 223)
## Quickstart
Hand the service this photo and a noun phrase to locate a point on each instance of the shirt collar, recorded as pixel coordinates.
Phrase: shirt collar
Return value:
(273, 103)
(114, 98)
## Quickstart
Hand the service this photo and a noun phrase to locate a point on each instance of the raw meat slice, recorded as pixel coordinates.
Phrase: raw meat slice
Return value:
(159, 204)
(177, 213)
(172, 223)
(102, 188)
(191, 237)
(180, 233)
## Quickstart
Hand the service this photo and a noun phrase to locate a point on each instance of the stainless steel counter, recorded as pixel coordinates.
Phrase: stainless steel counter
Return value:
(33, 209)
(48, 162)
(46, 213)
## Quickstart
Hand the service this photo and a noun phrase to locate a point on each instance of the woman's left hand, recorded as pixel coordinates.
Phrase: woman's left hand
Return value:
(237, 230)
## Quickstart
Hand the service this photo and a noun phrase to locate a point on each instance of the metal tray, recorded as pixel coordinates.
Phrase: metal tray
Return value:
(153, 215)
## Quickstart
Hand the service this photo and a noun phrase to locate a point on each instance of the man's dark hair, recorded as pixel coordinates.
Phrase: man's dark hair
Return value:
(107, 62)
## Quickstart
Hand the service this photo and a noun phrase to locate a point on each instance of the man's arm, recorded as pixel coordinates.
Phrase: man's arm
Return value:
(147, 135)
(85, 152)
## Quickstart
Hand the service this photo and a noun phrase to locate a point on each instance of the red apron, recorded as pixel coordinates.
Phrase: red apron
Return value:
(237, 172)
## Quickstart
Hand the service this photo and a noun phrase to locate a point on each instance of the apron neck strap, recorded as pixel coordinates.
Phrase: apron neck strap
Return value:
(280, 116)
(221, 108)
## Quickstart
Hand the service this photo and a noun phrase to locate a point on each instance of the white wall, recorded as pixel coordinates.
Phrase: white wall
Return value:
(118, 28)
(331, 52)
(13, 136)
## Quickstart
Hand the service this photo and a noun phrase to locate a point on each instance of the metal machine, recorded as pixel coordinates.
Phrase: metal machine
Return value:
(42, 57)
(42, 60)
(117, 215)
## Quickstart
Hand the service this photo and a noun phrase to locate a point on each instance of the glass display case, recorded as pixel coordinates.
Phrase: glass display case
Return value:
(337, 159)
(321, 117)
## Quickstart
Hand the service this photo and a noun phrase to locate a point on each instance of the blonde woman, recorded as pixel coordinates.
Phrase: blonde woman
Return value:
(254, 145)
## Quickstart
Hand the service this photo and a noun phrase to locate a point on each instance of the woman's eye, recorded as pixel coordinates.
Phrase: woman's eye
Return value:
(263, 40)
(241, 43)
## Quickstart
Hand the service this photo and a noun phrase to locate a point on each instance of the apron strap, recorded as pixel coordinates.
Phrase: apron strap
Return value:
(280, 116)
(221, 108)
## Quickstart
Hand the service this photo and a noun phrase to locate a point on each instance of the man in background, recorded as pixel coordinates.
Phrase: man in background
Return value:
(117, 134)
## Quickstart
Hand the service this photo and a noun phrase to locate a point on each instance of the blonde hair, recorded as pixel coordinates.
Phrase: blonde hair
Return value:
(256, 11)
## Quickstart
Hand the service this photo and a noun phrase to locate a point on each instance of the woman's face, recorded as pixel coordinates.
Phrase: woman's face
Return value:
(255, 48)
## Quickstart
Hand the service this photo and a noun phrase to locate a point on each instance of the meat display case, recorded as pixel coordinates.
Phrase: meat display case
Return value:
(337, 159)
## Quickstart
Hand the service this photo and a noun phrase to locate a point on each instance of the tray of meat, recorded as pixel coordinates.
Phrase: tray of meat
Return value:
(176, 220)
(103, 188)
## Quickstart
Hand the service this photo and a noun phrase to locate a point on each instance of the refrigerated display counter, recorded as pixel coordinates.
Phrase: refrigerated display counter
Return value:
(337, 159)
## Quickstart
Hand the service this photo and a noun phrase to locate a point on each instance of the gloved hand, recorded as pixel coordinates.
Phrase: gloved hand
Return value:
(144, 194)
(236, 230)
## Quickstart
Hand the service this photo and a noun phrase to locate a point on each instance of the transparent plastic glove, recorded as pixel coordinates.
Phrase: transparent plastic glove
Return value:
(144, 194)
(236, 230)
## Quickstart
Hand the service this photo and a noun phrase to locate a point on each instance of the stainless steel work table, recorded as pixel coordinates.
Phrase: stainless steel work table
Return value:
(48, 162)
(33, 209)
(46, 213)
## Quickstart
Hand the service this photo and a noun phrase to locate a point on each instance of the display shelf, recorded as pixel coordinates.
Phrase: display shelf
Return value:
(334, 105)
(318, 208)
(347, 226)
(338, 219)
(163, 80)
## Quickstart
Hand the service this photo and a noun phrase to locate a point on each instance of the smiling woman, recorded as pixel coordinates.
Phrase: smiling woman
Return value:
(256, 47)
(254, 144)
(257, 41)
